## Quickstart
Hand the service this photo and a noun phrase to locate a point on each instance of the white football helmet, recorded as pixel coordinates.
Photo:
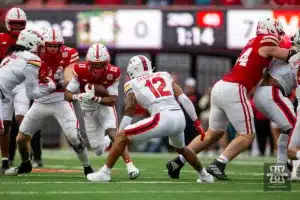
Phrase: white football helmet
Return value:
(296, 39)
(31, 39)
(17, 16)
(269, 26)
(97, 53)
(53, 36)
(139, 65)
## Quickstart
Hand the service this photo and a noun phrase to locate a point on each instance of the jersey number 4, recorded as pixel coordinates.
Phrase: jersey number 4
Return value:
(243, 59)
(159, 92)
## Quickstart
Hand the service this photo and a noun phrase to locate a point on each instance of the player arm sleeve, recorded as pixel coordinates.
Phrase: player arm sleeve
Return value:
(33, 89)
(126, 121)
(114, 88)
(73, 86)
(188, 106)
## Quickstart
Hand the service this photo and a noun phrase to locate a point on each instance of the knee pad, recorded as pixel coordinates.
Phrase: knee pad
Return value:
(77, 144)
(98, 150)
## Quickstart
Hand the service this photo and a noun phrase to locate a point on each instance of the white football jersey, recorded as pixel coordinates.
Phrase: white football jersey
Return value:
(11, 69)
(284, 74)
(153, 92)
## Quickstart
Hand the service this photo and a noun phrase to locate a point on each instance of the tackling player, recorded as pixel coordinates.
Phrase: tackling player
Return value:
(99, 112)
(56, 57)
(15, 22)
(22, 64)
(157, 93)
(235, 108)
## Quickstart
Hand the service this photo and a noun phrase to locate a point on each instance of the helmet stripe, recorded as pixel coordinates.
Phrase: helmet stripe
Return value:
(53, 34)
(144, 63)
(97, 51)
(18, 13)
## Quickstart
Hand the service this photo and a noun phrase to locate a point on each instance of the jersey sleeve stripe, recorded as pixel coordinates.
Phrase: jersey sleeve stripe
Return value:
(74, 55)
(271, 37)
(270, 40)
(127, 88)
(73, 60)
(75, 75)
(35, 63)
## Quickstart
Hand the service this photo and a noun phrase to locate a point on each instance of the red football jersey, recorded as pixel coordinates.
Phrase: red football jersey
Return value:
(106, 77)
(6, 40)
(249, 67)
(67, 57)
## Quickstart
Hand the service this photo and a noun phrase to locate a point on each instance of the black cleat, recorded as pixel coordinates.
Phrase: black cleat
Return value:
(216, 169)
(25, 167)
(4, 167)
(88, 170)
(174, 166)
(289, 165)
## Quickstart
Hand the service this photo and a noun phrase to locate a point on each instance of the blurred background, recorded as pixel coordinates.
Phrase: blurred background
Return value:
(197, 41)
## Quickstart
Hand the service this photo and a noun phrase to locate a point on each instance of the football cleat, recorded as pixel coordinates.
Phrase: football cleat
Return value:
(208, 178)
(174, 166)
(5, 166)
(216, 169)
(134, 174)
(100, 176)
(88, 170)
(37, 163)
(25, 167)
(295, 176)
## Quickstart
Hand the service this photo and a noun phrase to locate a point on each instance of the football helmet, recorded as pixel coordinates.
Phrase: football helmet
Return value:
(139, 65)
(270, 26)
(31, 39)
(15, 21)
(98, 54)
(53, 38)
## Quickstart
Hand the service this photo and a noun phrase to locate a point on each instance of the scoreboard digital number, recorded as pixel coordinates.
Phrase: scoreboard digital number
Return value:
(194, 29)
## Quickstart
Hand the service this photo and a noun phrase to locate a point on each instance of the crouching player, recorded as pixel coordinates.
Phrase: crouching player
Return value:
(56, 58)
(157, 93)
(98, 112)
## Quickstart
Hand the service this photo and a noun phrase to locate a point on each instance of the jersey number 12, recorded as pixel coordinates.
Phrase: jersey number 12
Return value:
(159, 92)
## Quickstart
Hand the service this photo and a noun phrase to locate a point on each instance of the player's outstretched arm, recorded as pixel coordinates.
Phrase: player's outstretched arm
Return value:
(33, 89)
(129, 111)
(188, 107)
(277, 52)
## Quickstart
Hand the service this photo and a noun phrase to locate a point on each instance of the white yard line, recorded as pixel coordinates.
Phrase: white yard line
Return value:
(138, 192)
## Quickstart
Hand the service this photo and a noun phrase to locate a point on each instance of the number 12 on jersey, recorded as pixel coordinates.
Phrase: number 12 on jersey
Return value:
(159, 92)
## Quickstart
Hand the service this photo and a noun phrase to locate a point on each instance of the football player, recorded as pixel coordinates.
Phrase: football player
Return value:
(157, 93)
(55, 58)
(243, 78)
(99, 113)
(22, 64)
(15, 22)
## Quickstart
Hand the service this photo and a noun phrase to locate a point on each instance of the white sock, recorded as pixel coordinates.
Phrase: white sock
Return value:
(298, 155)
(4, 158)
(106, 142)
(130, 167)
(84, 158)
(203, 172)
(223, 159)
(106, 169)
(282, 148)
(182, 158)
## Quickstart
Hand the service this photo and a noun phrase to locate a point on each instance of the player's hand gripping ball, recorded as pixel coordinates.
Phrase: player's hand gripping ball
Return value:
(100, 90)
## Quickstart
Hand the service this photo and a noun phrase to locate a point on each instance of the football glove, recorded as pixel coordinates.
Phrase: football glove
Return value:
(199, 129)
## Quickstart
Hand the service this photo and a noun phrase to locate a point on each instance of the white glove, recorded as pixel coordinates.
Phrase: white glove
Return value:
(83, 97)
(51, 84)
(59, 74)
(88, 90)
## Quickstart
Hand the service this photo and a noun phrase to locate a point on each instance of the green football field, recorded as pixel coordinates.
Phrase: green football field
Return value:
(62, 178)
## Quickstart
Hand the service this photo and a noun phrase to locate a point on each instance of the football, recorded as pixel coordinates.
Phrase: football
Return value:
(100, 90)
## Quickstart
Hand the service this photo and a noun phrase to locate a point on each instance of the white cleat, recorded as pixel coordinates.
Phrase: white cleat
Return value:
(205, 179)
(100, 176)
(14, 171)
(134, 173)
(295, 176)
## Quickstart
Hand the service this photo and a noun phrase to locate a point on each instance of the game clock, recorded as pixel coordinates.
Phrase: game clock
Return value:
(194, 29)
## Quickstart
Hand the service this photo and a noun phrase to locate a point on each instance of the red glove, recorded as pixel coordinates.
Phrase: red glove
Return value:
(199, 128)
